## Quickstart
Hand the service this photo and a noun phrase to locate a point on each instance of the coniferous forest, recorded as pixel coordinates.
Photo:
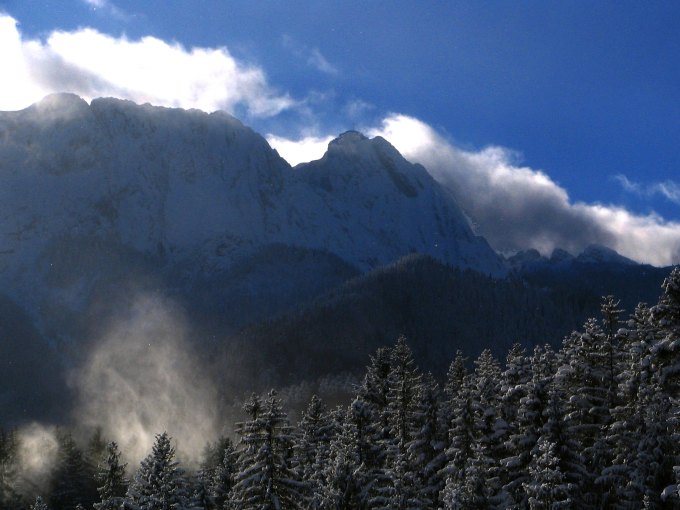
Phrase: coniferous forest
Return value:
(593, 425)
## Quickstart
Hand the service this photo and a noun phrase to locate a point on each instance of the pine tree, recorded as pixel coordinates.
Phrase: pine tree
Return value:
(369, 410)
(462, 435)
(456, 378)
(345, 483)
(403, 391)
(207, 484)
(266, 479)
(650, 463)
(462, 442)
(223, 476)
(583, 376)
(623, 434)
(666, 351)
(471, 490)
(426, 451)
(404, 493)
(546, 486)
(517, 373)
(566, 448)
(159, 483)
(39, 504)
(70, 483)
(490, 427)
(530, 419)
(311, 450)
(610, 324)
(112, 485)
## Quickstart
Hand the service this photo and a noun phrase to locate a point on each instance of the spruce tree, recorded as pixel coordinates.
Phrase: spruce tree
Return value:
(311, 449)
(159, 483)
(583, 377)
(39, 504)
(666, 351)
(426, 451)
(610, 324)
(110, 477)
(557, 432)
(530, 419)
(490, 427)
(345, 482)
(403, 392)
(515, 376)
(266, 479)
(462, 439)
(70, 483)
(223, 476)
(546, 486)
(369, 410)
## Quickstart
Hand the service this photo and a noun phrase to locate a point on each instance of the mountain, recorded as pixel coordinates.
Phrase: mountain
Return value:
(144, 186)
(597, 271)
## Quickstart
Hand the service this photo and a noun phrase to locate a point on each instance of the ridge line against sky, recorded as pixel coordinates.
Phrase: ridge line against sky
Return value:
(515, 206)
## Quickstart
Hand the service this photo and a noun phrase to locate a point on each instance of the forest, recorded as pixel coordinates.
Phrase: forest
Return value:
(592, 425)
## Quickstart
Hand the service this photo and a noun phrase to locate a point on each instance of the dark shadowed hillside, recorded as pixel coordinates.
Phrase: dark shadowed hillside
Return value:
(439, 308)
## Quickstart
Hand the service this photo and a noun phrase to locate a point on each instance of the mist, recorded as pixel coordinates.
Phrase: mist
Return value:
(37, 453)
(141, 377)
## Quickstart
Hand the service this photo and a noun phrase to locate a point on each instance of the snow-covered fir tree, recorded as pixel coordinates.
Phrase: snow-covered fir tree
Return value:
(526, 429)
(266, 479)
(110, 477)
(159, 483)
(345, 482)
(39, 504)
(70, 483)
(311, 453)
(546, 486)
(427, 449)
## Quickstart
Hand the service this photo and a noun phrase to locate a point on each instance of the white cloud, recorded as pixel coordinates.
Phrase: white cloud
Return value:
(306, 149)
(91, 64)
(316, 59)
(668, 189)
(515, 207)
(312, 56)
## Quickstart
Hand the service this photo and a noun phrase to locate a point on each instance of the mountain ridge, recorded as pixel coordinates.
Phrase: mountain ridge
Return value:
(184, 185)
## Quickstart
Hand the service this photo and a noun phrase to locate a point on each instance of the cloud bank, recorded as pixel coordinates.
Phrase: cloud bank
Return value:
(91, 64)
(516, 207)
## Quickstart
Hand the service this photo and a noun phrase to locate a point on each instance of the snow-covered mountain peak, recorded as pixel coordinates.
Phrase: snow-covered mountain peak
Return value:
(62, 103)
(559, 255)
(348, 137)
(353, 144)
(596, 253)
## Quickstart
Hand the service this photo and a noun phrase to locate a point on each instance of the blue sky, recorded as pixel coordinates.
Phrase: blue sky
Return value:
(582, 94)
